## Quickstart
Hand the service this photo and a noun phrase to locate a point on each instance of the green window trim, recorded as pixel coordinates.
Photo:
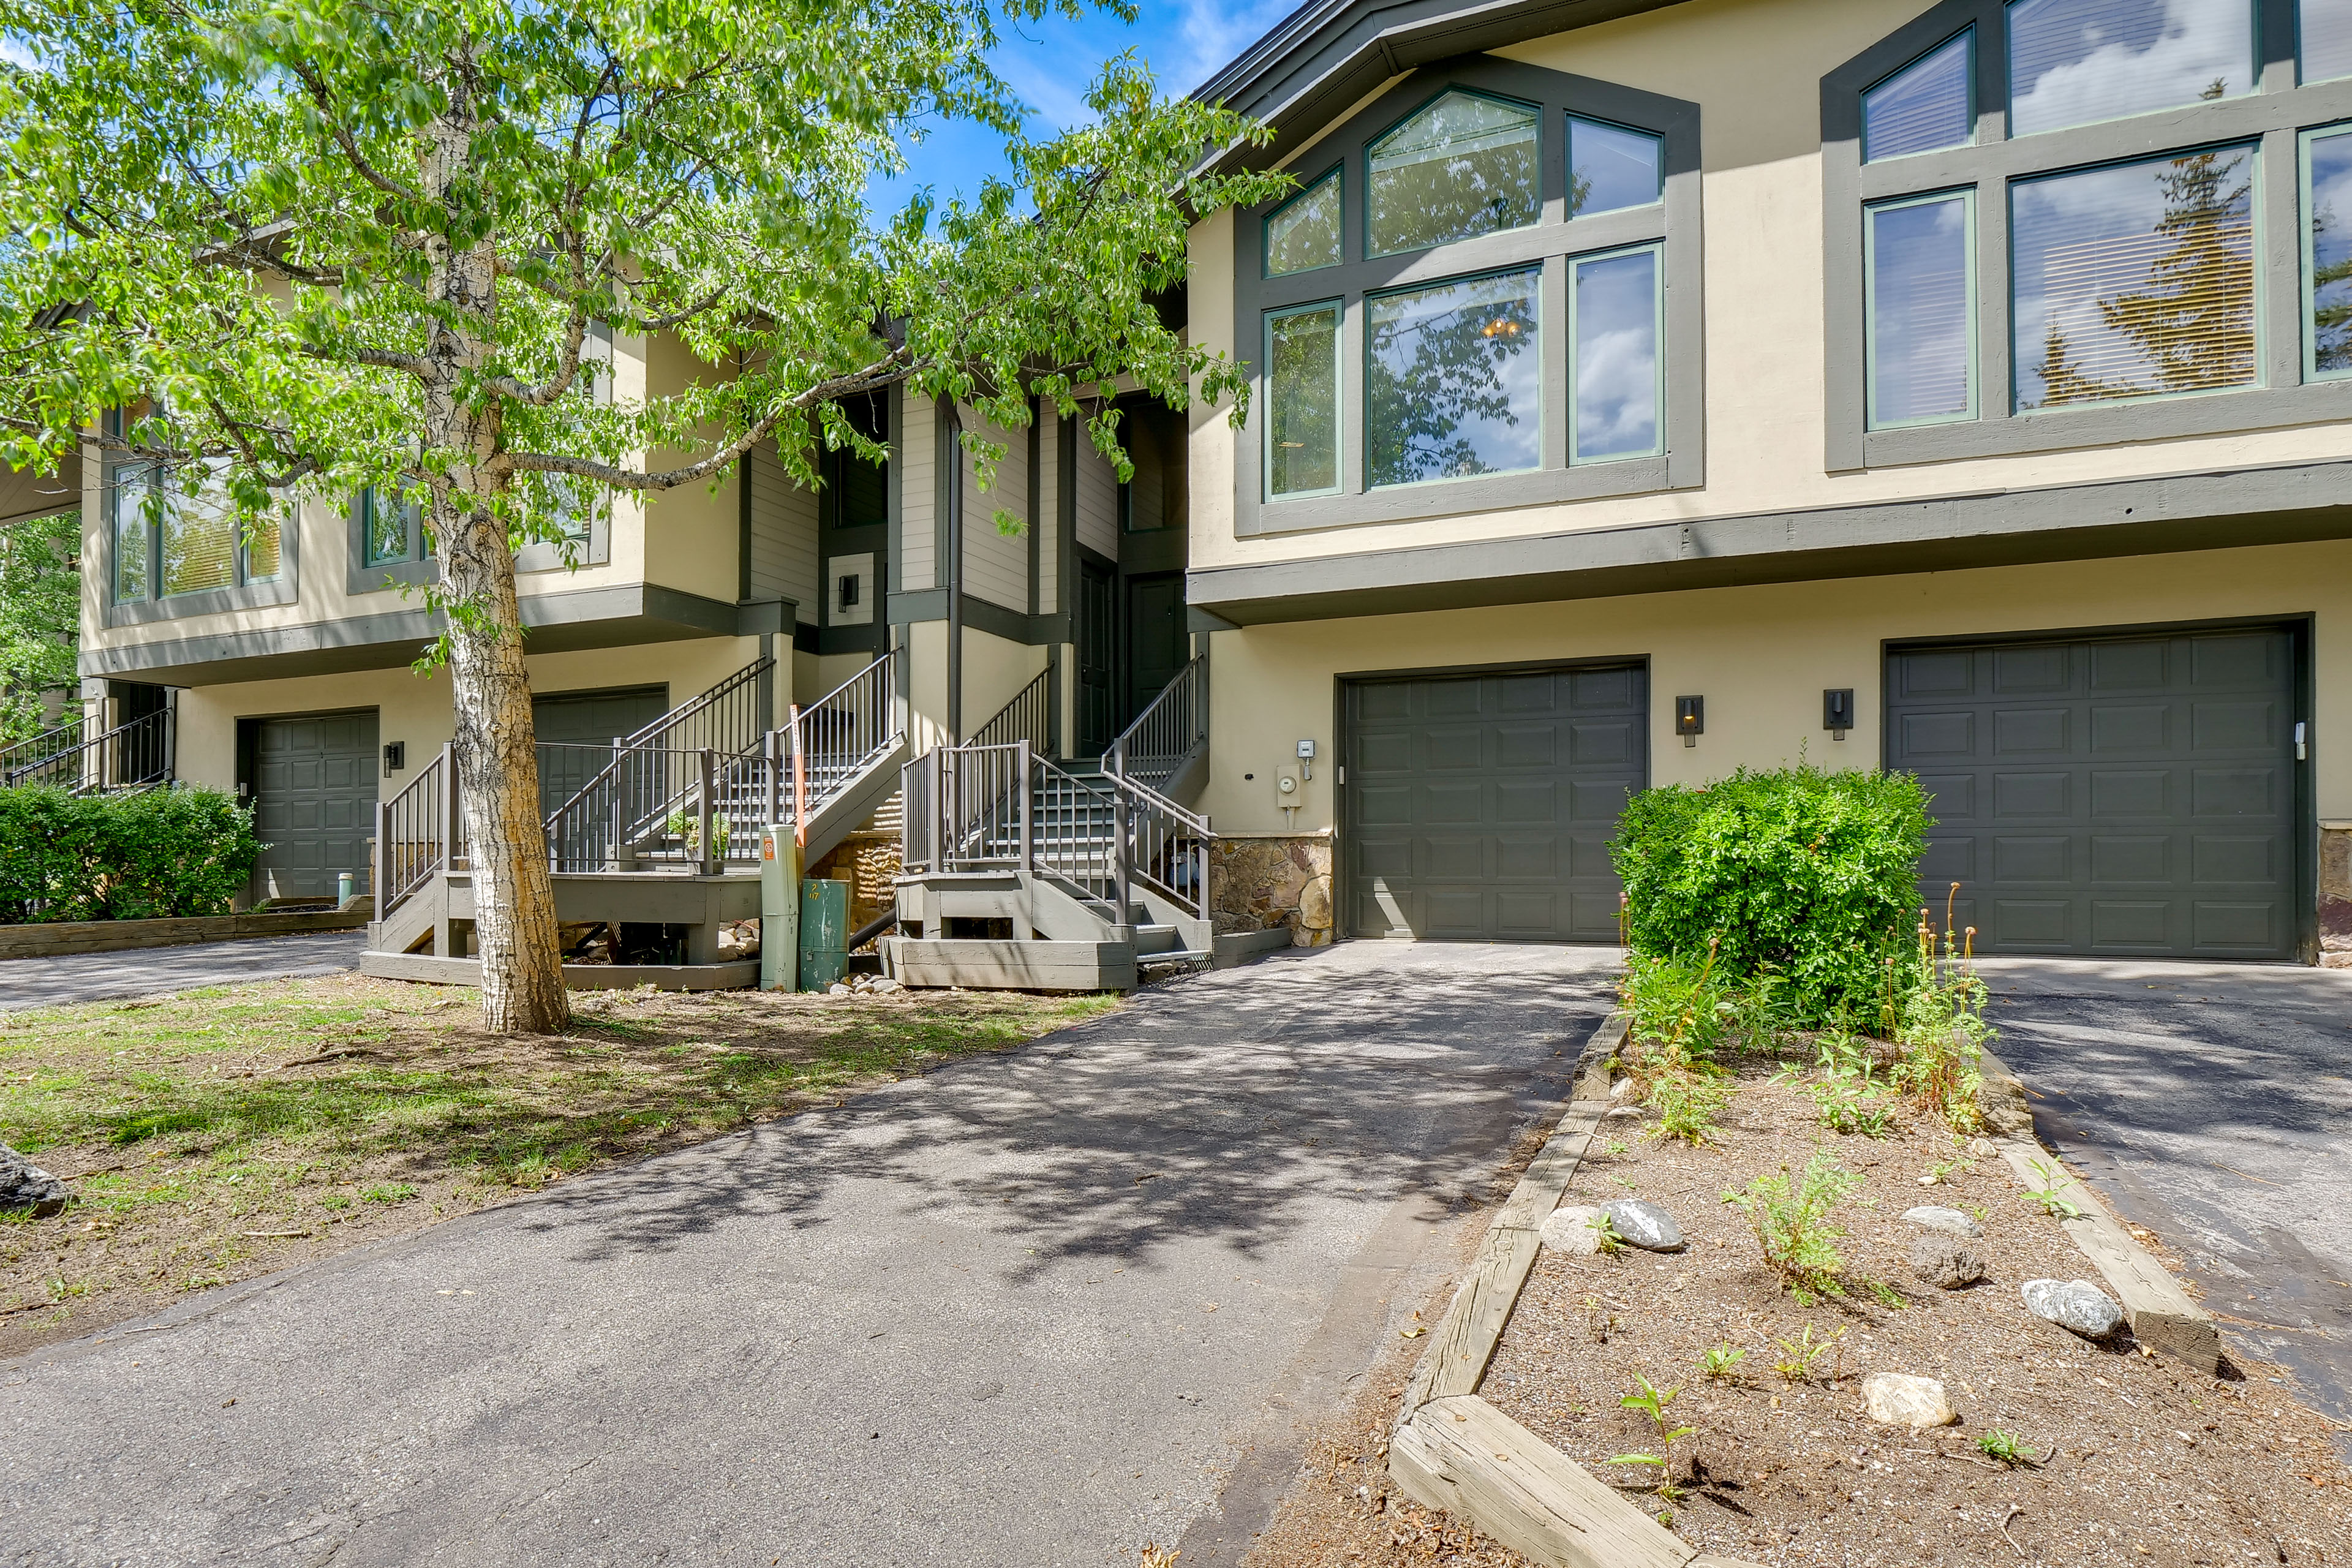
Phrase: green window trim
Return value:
(1656, 249)
(1336, 310)
(2308, 270)
(1967, 197)
(1334, 177)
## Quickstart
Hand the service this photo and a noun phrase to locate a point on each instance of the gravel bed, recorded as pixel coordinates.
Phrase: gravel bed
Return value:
(2139, 1458)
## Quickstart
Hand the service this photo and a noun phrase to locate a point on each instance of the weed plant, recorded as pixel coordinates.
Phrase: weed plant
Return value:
(1652, 1401)
(1791, 1216)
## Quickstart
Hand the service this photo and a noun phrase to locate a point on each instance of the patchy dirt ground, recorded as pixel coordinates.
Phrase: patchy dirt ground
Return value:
(2136, 1460)
(223, 1133)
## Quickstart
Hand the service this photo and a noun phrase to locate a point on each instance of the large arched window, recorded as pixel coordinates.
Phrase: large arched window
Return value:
(2065, 223)
(1484, 293)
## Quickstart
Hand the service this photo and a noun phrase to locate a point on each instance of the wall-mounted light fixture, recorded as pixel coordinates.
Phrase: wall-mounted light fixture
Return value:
(395, 755)
(848, 591)
(1690, 719)
(1837, 711)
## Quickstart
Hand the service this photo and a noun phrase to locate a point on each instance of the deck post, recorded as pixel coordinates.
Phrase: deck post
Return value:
(449, 808)
(1028, 800)
(707, 846)
(1119, 870)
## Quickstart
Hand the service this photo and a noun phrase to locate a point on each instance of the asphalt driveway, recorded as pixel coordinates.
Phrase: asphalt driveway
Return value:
(151, 971)
(2212, 1104)
(1035, 1308)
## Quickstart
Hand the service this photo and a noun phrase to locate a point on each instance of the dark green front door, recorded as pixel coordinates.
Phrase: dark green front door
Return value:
(1155, 637)
(1096, 638)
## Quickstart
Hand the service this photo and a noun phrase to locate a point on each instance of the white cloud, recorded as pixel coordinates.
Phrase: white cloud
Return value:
(2201, 41)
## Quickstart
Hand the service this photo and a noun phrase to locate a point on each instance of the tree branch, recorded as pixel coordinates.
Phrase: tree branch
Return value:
(325, 103)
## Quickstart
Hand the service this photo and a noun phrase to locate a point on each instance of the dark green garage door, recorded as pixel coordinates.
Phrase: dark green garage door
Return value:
(582, 720)
(1481, 806)
(2126, 795)
(314, 792)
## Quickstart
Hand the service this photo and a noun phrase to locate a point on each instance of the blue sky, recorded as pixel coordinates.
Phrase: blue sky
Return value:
(1050, 63)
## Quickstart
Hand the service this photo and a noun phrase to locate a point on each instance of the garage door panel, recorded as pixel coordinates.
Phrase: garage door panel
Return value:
(2224, 927)
(2137, 728)
(1478, 785)
(2020, 670)
(2155, 816)
(2132, 666)
(2121, 859)
(2017, 732)
(2016, 795)
(2130, 792)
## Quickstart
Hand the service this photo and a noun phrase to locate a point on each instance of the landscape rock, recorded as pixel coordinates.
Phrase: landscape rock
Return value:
(1573, 1230)
(2074, 1304)
(1620, 1088)
(1946, 1261)
(25, 1185)
(1644, 1225)
(1981, 1149)
(1899, 1399)
(837, 989)
(1621, 1113)
(1936, 1217)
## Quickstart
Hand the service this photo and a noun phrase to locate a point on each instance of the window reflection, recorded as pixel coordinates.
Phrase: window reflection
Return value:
(1452, 380)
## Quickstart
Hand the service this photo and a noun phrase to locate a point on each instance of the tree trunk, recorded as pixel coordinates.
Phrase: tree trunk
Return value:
(498, 761)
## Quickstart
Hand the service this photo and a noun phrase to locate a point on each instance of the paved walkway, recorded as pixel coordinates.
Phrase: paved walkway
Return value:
(1036, 1309)
(2212, 1103)
(153, 971)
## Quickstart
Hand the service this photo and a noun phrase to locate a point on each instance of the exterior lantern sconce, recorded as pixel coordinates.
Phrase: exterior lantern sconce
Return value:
(1690, 719)
(1837, 713)
(395, 756)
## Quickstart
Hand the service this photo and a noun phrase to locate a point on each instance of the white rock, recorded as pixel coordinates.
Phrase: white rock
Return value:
(837, 989)
(1981, 1149)
(1620, 1088)
(1621, 1113)
(1573, 1230)
(885, 985)
(2074, 1304)
(1936, 1217)
(1644, 1225)
(1899, 1399)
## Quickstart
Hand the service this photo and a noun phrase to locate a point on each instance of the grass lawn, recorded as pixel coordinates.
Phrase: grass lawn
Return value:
(225, 1133)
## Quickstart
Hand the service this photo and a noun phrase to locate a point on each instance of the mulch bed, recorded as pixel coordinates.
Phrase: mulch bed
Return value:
(2139, 1458)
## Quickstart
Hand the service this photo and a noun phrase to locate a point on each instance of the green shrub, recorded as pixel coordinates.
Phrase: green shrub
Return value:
(156, 855)
(1805, 872)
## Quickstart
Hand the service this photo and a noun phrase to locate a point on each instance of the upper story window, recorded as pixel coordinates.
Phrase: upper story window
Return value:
(1495, 327)
(170, 541)
(392, 529)
(1929, 105)
(1464, 165)
(1303, 233)
(2110, 259)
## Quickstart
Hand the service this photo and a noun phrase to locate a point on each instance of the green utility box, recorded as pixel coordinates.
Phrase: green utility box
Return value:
(825, 933)
(780, 907)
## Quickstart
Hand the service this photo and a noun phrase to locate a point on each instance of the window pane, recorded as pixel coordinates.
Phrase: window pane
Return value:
(2075, 62)
(1465, 165)
(1304, 233)
(198, 538)
(261, 550)
(383, 526)
(2331, 253)
(2135, 279)
(1452, 380)
(1616, 368)
(127, 496)
(1924, 106)
(2324, 35)
(1303, 402)
(1614, 167)
(1921, 359)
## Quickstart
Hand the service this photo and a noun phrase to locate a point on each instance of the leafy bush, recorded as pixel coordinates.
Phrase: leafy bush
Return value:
(1800, 871)
(156, 855)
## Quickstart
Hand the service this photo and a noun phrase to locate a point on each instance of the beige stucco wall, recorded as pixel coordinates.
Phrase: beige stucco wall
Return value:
(994, 671)
(1754, 66)
(695, 533)
(1760, 656)
(416, 709)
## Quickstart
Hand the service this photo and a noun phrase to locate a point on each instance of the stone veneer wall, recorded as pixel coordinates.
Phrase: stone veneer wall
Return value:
(1257, 882)
(2336, 895)
(868, 860)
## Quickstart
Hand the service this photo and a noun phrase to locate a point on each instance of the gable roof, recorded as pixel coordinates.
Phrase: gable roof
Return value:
(1311, 64)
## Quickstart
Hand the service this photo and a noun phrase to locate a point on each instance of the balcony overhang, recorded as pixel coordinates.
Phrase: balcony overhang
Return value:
(554, 623)
(2003, 527)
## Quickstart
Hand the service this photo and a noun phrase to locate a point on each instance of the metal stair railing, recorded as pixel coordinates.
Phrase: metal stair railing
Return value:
(726, 719)
(824, 747)
(414, 831)
(1173, 727)
(35, 750)
(135, 755)
(1028, 716)
(989, 808)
